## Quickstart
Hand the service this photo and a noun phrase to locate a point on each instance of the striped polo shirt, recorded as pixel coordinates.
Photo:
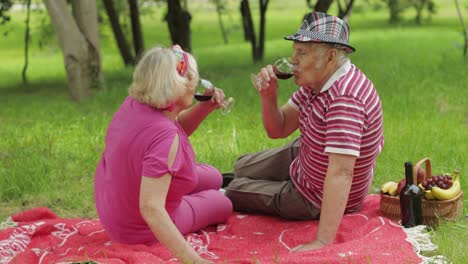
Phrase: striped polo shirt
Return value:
(346, 118)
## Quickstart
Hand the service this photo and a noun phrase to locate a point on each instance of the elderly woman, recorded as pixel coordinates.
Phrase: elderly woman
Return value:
(148, 186)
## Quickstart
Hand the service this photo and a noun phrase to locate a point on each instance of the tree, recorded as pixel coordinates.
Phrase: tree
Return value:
(178, 21)
(396, 7)
(26, 41)
(249, 31)
(128, 57)
(5, 5)
(322, 5)
(344, 10)
(220, 8)
(138, 44)
(77, 33)
(465, 31)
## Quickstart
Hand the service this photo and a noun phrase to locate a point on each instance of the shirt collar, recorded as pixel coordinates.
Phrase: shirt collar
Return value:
(337, 75)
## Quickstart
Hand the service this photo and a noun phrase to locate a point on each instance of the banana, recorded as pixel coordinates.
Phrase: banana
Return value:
(393, 190)
(427, 193)
(389, 187)
(441, 194)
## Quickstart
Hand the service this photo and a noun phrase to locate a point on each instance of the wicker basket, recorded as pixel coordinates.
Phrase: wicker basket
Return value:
(433, 211)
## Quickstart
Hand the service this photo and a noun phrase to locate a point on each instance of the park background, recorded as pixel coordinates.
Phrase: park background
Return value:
(50, 144)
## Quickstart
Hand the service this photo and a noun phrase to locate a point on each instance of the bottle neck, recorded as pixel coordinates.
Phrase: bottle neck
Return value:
(409, 173)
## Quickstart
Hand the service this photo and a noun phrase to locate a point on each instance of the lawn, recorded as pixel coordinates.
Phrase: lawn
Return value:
(50, 145)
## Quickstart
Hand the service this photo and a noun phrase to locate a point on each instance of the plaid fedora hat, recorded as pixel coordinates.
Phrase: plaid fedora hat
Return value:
(323, 28)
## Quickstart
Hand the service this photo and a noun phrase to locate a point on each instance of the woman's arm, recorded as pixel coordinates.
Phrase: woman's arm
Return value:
(153, 193)
(191, 118)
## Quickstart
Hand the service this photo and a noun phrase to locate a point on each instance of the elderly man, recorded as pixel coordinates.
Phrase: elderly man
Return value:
(328, 170)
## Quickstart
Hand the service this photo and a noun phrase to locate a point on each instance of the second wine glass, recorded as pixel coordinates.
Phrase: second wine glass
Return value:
(200, 96)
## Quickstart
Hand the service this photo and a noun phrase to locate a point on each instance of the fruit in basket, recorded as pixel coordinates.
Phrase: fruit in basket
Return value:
(447, 194)
(427, 193)
(401, 184)
(389, 187)
(443, 181)
(420, 176)
(441, 187)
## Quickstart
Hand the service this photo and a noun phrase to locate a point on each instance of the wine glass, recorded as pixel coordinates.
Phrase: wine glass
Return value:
(200, 96)
(282, 68)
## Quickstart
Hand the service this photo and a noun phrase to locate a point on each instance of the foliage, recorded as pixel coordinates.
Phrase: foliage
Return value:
(397, 7)
(5, 5)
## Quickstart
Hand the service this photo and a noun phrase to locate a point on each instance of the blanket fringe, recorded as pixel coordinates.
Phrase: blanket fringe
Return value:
(8, 223)
(421, 242)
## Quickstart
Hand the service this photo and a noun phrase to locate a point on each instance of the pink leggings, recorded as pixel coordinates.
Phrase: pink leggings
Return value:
(206, 205)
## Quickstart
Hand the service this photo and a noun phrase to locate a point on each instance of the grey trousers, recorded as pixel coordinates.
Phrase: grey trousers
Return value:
(262, 184)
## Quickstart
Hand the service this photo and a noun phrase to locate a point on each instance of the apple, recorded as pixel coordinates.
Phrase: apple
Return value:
(401, 183)
(420, 175)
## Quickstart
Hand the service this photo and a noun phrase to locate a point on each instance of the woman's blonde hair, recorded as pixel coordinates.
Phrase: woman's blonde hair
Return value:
(156, 81)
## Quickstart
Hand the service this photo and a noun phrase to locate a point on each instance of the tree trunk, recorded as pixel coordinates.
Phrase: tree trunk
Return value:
(261, 38)
(85, 14)
(26, 42)
(323, 5)
(394, 8)
(178, 22)
(119, 36)
(220, 22)
(247, 23)
(138, 44)
(419, 6)
(249, 30)
(345, 12)
(74, 47)
(465, 31)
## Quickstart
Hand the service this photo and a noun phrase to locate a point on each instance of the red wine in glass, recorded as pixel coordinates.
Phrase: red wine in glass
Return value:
(283, 76)
(283, 69)
(205, 84)
(202, 98)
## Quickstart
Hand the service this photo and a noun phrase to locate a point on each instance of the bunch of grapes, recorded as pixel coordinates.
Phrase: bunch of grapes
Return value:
(441, 181)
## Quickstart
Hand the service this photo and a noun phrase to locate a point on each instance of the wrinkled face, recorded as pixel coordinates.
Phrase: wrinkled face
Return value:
(311, 65)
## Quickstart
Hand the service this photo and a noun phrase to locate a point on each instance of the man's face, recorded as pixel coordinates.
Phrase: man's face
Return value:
(310, 62)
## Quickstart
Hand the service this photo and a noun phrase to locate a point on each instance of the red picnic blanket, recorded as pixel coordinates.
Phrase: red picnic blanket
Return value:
(42, 237)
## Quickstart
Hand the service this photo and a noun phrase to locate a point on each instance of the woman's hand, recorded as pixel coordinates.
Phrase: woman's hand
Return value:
(218, 97)
(202, 261)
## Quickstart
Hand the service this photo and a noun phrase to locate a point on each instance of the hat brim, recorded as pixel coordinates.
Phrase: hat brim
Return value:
(302, 38)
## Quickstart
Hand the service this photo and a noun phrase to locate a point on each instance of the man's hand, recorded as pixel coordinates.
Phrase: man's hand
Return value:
(265, 82)
(316, 244)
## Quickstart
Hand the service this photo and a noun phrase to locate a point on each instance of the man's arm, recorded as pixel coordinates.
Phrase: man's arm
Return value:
(335, 197)
(278, 122)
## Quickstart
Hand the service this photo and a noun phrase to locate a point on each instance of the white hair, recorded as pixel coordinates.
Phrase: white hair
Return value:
(342, 55)
(156, 81)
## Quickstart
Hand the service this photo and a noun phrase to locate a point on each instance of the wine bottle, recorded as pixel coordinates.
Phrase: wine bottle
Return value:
(410, 200)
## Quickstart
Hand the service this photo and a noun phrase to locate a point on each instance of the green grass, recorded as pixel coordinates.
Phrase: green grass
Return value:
(50, 145)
